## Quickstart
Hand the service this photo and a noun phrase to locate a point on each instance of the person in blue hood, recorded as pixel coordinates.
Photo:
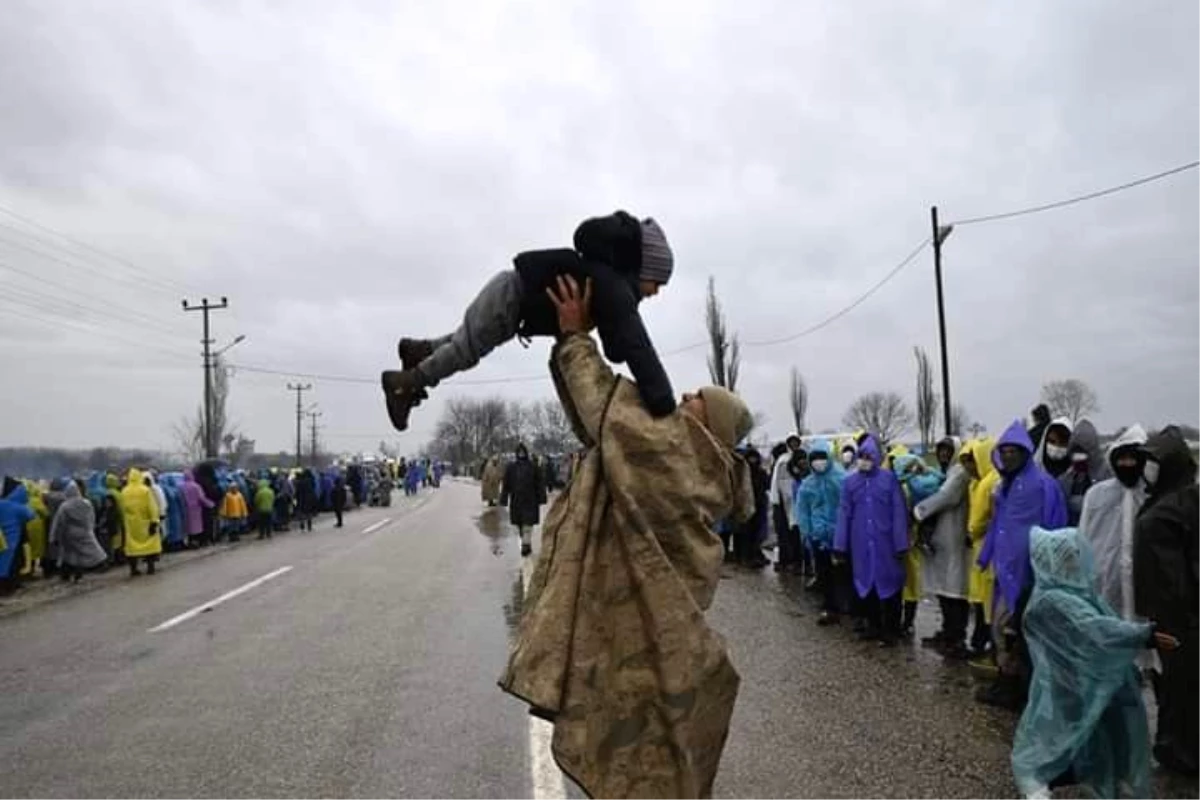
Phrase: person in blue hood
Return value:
(15, 514)
(1026, 496)
(872, 527)
(817, 498)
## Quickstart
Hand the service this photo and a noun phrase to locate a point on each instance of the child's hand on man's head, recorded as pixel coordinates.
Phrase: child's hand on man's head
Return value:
(574, 307)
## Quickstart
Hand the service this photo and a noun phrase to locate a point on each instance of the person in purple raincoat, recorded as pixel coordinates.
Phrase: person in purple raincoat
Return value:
(1026, 496)
(195, 503)
(872, 527)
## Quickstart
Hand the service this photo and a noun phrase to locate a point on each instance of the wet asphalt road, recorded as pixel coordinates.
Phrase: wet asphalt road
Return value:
(369, 670)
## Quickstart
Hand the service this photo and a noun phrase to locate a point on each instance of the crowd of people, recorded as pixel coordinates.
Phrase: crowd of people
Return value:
(1067, 571)
(71, 526)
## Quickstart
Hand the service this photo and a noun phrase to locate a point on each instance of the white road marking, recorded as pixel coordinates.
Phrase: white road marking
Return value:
(377, 525)
(211, 604)
(547, 777)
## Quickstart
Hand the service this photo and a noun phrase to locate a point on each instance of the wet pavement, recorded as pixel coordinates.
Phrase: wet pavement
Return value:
(369, 669)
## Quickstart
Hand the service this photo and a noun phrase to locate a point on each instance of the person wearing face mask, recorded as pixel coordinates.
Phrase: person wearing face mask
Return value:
(1107, 518)
(1087, 467)
(816, 510)
(872, 530)
(783, 485)
(944, 564)
(1165, 568)
(1054, 456)
(1025, 497)
(1039, 422)
(848, 455)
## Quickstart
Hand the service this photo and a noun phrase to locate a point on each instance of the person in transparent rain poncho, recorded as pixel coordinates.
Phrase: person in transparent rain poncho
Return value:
(1085, 722)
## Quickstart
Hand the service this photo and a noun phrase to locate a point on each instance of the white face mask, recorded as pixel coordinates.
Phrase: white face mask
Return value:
(847, 458)
(820, 465)
(865, 465)
(1079, 458)
(1150, 472)
(1056, 452)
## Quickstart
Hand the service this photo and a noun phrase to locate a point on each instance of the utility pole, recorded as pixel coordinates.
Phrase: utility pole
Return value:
(299, 389)
(210, 450)
(940, 233)
(312, 419)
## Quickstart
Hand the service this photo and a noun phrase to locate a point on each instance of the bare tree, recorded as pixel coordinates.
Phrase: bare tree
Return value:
(189, 436)
(725, 357)
(881, 413)
(927, 399)
(798, 395)
(189, 431)
(472, 429)
(1071, 398)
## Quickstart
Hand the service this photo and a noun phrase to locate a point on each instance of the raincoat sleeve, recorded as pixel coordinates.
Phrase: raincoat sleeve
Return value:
(584, 383)
(802, 510)
(948, 496)
(841, 536)
(204, 501)
(1054, 513)
(989, 545)
(899, 519)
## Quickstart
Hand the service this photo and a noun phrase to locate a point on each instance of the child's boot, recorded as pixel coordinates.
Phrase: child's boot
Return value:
(413, 351)
(402, 391)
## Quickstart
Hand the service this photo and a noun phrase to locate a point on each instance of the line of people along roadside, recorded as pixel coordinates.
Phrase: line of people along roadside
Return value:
(69, 527)
(875, 528)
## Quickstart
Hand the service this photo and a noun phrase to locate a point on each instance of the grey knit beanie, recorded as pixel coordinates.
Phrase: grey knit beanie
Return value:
(657, 259)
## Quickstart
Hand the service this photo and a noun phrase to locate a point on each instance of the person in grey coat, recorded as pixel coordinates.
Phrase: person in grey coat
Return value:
(1088, 467)
(73, 535)
(524, 492)
(945, 567)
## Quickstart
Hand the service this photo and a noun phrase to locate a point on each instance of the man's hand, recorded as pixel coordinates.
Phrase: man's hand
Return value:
(574, 309)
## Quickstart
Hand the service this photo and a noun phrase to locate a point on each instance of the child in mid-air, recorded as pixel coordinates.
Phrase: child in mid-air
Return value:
(625, 259)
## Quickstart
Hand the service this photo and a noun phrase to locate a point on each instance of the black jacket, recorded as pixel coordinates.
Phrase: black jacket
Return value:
(609, 251)
(523, 492)
(1166, 564)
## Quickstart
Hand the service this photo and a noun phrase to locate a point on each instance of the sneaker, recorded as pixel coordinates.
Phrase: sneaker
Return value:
(526, 550)
(402, 392)
(413, 351)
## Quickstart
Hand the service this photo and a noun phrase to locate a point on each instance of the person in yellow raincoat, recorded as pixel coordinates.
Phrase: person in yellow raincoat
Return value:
(234, 512)
(143, 539)
(36, 530)
(912, 561)
(976, 458)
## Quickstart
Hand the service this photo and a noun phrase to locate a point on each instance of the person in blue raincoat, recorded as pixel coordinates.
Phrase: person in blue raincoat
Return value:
(872, 527)
(176, 537)
(815, 509)
(1085, 722)
(15, 514)
(1026, 496)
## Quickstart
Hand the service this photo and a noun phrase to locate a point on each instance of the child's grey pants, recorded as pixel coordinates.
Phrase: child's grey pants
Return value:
(491, 320)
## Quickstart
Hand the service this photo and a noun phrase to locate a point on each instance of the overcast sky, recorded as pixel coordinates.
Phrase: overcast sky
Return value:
(347, 173)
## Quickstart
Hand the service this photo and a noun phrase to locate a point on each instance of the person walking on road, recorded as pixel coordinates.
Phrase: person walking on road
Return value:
(339, 499)
(493, 476)
(524, 492)
(872, 528)
(613, 647)
(143, 532)
(264, 509)
(73, 535)
(1165, 567)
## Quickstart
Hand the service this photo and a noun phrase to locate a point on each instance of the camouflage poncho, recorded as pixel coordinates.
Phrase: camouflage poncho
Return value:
(613, 647)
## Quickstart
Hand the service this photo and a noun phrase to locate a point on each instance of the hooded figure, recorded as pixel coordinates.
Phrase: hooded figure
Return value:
(786, 474)
(613, 646)
(1165, 567)
(1087, 467)
(1026, 497)
(1040, 421)
(976, 458)
(917, 482)
(140, 513)
(15, 514)
(945, 564)
(175, 535)
(73, 534)
(195, 502)
(1107, 520)
(872, 527)
(110, 521)
(36, 530)
(817, 499)
(1054, 454)
(493, 475)
(1085, 719)
(524, 493)
(264, 508)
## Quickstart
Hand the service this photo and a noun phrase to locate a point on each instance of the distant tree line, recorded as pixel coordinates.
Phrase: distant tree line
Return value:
(472, 429)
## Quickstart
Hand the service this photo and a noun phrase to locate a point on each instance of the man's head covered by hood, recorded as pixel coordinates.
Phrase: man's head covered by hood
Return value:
(722, 412)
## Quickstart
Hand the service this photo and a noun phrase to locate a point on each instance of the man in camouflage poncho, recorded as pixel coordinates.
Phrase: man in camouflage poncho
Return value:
(613, 646)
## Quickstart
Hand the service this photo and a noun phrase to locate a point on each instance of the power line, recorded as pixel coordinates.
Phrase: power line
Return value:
(87, 327)
(165, 283)
(1078, 199)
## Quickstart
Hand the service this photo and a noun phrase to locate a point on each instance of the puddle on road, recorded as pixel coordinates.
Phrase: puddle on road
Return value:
(491, 523)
